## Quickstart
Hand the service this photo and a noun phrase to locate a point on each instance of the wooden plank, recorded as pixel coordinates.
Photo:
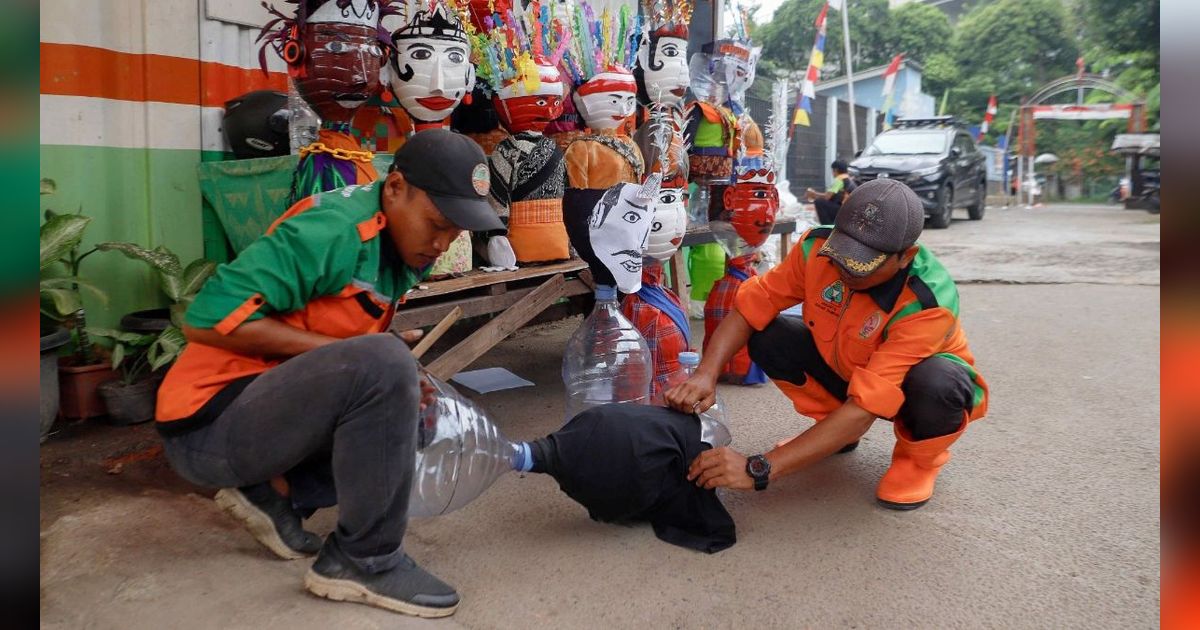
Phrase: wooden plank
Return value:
(679, 279)
(475, 279)
(785, 242)
(420, 316)
(495, 331)
(428, 340)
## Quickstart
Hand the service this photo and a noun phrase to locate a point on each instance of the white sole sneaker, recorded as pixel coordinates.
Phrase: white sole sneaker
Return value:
(351, 591)
(260, 525)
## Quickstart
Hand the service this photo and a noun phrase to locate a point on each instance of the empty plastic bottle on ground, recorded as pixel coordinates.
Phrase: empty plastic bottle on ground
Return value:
(460, 454)
(713, 428)
(607, 360)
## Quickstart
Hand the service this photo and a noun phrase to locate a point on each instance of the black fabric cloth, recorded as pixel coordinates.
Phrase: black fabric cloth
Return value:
(827, 210)
(577, 216)
(628, 463)
(937, 391)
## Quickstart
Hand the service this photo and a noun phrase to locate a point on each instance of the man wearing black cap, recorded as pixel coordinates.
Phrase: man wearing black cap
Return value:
(289, 399)
(879, 338)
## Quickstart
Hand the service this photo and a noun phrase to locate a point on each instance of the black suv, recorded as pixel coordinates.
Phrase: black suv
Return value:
(937, 158)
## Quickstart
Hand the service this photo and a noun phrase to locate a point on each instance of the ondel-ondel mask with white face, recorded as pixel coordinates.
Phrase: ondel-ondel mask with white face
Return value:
(606, 100)
(668, 225)
(618, 229)
(432, 69)
(664, 64)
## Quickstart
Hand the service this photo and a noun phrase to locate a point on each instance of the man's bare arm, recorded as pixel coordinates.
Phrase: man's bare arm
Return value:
(263, 337)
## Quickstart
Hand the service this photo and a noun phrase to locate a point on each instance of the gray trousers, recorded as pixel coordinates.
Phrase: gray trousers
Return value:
(338, 421)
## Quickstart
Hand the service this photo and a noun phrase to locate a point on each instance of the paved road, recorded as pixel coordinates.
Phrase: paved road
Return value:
(1046, 518)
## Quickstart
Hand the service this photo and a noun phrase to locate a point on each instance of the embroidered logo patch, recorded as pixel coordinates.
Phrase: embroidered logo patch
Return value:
(871, 325)
(480, 180)
(868, 217)
(834, 292)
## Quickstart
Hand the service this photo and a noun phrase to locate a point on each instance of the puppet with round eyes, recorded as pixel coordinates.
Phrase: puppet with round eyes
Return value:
(655, 309)
(605, 97)
(744, 225)
(334, 50)
(431, 72)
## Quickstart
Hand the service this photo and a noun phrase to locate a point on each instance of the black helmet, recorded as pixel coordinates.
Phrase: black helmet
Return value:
(256, 124)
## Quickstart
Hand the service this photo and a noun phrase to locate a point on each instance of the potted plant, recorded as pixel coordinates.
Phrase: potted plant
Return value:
(130, 398)
(179, 283)
(64, 318)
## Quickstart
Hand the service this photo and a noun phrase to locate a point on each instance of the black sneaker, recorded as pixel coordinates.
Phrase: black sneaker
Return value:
(271, 520)
(407, 589)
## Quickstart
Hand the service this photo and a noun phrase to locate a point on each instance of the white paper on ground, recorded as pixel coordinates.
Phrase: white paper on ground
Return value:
(490, 380)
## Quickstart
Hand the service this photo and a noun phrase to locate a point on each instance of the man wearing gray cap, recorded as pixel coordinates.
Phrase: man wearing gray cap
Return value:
(879, 338)
(289, 399)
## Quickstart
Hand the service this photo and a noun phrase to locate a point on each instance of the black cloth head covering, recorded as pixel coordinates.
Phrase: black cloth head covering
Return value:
(628, 463)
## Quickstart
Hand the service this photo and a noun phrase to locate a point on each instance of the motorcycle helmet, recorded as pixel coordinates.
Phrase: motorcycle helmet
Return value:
(256, 124)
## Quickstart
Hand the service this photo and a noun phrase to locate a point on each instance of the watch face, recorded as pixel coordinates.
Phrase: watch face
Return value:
(758, 466)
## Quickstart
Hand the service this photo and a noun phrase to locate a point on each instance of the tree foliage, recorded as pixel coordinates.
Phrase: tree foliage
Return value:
(787, 40)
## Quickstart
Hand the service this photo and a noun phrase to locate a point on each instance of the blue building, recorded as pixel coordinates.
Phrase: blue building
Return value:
(908, 99)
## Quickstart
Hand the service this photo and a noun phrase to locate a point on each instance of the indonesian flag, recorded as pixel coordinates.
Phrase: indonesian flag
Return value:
(807, 90)
(889, 89)
(988, 116)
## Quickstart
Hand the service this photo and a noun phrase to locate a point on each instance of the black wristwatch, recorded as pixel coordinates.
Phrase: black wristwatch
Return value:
(759, 469)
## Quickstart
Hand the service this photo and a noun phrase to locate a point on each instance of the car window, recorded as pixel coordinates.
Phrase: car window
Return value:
(963, 141)
(909, 143)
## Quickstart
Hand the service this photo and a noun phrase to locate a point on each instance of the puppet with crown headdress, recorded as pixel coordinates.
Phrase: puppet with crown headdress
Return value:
(431, 72)
(600, 53)
(746, 220)
(519, 52)
(334, 50)
(655, 309)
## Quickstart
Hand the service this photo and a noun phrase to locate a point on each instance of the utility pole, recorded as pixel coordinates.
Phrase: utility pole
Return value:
(845, 9)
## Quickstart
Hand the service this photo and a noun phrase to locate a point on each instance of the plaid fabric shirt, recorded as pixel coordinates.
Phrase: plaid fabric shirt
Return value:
(719, 304)
(665, 339)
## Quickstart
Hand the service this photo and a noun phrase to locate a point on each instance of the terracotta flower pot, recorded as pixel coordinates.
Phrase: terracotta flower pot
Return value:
(77, 386)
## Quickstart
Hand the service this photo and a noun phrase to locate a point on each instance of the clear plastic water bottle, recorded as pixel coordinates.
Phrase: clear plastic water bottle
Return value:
(607, 360)
(698, 203)
(713, 430)
(303, 122)
(460, 454)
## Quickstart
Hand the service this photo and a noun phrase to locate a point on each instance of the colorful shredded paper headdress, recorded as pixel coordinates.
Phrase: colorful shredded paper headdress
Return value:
(514, 42)
(604, 43)
(667, 18)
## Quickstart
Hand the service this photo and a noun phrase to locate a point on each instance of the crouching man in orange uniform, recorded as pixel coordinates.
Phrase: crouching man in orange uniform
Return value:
(879, 338)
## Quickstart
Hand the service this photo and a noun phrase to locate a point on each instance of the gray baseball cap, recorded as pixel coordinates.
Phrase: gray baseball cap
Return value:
(880, 218)
(453, 171)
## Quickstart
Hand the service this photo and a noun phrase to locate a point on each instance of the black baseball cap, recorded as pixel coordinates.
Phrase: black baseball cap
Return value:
(880, 218)
(453, 171)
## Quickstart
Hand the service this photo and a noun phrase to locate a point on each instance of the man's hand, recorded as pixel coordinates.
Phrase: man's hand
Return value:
(720, 468)
(696, 394)
(428, 393)
(411, 337)
(809, 194)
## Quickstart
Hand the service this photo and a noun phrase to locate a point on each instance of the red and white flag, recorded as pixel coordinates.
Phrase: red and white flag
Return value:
(889, 89)
(988, 116)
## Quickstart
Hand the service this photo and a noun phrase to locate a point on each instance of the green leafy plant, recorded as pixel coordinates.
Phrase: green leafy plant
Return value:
(60, 285)
(137, 355)
(179, 283)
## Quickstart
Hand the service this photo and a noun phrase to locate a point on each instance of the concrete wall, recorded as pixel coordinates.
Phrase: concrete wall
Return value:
(131, 101)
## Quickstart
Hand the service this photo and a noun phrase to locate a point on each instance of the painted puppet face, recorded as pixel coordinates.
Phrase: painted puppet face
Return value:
(432, 70)
(522, 110)
(340, 68)
(669, 224)
(665, 69)
(618, 228)
(734, 66)
(749, 216)
(606, 100)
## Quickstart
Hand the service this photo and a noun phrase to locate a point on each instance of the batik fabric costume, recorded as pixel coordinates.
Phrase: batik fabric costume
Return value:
(527, 168)
(600, 53)
(334, 50)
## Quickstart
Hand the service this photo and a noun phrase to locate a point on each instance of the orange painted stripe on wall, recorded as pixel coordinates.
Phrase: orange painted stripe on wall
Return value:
(74, 70)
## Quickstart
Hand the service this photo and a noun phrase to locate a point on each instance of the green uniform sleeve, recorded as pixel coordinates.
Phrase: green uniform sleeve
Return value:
(309, 255)
(838, 185)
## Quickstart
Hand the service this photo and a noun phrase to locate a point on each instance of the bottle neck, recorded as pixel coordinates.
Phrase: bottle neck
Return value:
(606, 294)
(521, 457)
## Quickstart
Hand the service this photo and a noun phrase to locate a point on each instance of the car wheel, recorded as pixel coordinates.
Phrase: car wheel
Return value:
(945, 208)
(975, 210)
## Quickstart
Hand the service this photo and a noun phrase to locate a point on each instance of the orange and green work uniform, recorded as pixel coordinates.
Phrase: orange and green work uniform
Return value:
(326, 266)
(896, 350)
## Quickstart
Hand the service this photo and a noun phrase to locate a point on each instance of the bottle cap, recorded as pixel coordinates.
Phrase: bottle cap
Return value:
(689, 358)
(606, 292)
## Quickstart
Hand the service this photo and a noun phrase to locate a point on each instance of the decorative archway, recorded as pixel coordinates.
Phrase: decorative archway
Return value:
(1130, 106)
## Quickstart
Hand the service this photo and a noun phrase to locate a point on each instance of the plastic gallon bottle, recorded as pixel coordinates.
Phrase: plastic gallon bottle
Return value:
(460, 454)
(303, 123)
(606, 360)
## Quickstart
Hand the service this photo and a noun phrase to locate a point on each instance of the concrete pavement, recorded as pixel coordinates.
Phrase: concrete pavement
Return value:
(1047, 517)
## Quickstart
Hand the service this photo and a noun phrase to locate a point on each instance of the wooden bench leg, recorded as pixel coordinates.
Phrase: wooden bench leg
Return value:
(679, 279)
(503, 325)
